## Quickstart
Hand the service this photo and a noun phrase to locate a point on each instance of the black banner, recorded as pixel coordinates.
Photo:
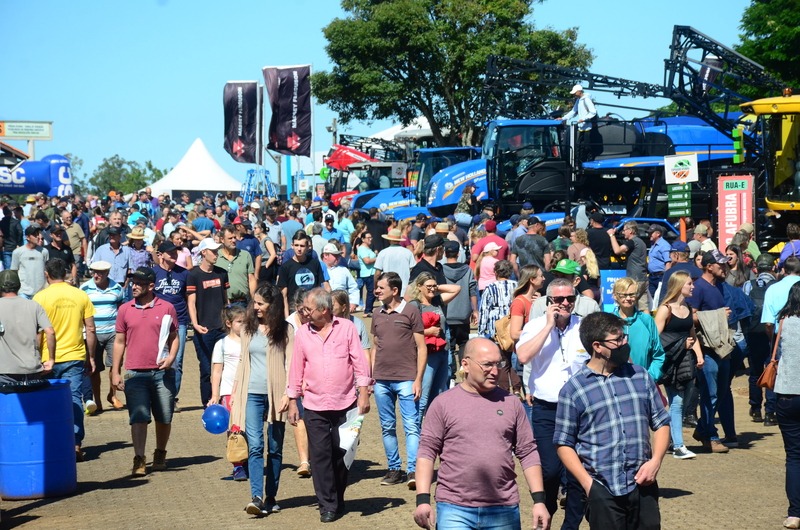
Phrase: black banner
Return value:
(242, 120)
(289, 90)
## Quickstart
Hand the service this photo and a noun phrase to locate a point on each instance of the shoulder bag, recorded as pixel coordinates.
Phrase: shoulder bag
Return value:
(767, 379)
(237, 448)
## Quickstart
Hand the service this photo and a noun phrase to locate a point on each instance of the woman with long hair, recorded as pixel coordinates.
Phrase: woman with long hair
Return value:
(646, 350)
(367, 258)
(496, 300)
(590, 271)
(580, 241)
(738, 274)
(184, 254)
(259, 393)
(787, 390)
(430, 298)
(269, 263)
(527, 292)
(683, 355)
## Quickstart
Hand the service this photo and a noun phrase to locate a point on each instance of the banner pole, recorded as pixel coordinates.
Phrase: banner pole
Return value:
(313, 124)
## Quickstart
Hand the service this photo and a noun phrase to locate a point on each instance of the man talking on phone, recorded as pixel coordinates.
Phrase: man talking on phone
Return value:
(551, 344)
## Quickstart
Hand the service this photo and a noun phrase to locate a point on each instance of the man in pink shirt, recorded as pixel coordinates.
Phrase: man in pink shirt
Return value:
(475, 429)
(327, 364)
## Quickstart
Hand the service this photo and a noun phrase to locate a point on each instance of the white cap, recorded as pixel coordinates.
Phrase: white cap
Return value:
(491, 245)
(254, 204)
(208, 244)
(576, 89)
(330, 248)
(100, 266)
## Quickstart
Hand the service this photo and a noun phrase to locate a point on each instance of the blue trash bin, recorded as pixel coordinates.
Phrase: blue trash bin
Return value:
(37, 441)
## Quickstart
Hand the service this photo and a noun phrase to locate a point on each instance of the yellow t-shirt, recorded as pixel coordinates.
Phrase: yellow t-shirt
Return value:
(67, 307)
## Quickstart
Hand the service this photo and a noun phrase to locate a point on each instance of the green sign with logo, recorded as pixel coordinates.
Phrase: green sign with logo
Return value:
(679, 199)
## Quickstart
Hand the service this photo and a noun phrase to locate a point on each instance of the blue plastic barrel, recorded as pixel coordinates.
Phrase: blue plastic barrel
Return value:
(37, 442)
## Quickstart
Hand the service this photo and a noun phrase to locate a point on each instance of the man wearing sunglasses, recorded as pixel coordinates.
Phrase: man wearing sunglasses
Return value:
(551, 344)
(479, 423)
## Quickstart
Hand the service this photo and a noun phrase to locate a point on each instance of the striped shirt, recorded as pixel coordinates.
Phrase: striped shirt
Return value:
(607, 420)
(106, 302)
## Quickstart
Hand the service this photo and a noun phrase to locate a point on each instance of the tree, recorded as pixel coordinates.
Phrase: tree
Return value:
(771, 37)
(122, 175)
(400, 59)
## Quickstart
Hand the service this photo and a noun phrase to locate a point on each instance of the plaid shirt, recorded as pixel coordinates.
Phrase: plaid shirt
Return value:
(607, 420)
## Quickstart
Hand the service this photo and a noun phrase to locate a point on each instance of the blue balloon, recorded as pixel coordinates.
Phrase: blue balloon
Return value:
(215, 419)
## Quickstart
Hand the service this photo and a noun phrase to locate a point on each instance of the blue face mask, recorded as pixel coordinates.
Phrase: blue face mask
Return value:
(324, 208)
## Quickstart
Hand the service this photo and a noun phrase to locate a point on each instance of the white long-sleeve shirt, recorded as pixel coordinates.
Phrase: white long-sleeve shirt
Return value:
(585, 110)
(340, 278)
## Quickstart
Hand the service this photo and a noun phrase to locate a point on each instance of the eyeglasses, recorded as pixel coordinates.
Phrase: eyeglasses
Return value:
(488, 365)
(626, 295)
(622, 339)
(431, 287)
(560, 299)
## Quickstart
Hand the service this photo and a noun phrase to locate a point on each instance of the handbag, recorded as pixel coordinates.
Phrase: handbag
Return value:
(237, 448)
(502, 333)
(767, 379)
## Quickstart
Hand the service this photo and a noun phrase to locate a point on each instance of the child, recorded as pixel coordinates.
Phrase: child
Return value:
(225, 360)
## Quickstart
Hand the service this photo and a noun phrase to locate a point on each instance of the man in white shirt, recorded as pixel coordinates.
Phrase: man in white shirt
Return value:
(395, 258)
(340, 277)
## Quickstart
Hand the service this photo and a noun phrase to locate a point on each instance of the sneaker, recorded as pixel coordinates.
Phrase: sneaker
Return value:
(770, 420)
(304, 470)
(690, 421)
(159, 460)
(256, 507)
(791, 522)
(272, 505)
(730, 443)
(755, 413)
(139, 466)
(562, 498)
(411, 481)
(682, 453)
(715, 446)
(239, 474)
(89, 407)
(392, 477)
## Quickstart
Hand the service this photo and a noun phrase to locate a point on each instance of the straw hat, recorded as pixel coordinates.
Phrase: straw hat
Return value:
(393, 235)
(136, 233)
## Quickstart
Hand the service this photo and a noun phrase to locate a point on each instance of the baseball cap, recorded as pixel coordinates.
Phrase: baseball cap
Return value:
(701, 229)
(533, 220)
(100, 266)
(515, 218)
(491, 245)
(330, 248)
(576, 89)
(567, 266)
(433, 241)
(145, 274)
(527, 206)
(655, 228)
(167, 246)
(765, 261)
(747, 227)
(255, 205)
(490, 225)
(597, 217)
(237, 220)
(9, 281)
(679, 246)
(114, 231)
(421, 217)
(713, 256)
(451, 247)
(329, 217)
(208, 244)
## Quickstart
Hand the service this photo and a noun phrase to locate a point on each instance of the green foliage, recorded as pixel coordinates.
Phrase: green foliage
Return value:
(771, 37)
(121, 175)
(398, 59)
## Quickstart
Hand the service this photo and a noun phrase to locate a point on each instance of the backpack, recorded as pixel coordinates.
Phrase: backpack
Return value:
(757, 296)
(502, 333)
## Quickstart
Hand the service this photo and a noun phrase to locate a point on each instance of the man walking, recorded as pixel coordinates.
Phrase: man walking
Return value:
(147, 340)
(395, 258)
(398, 359)
(239, 264)
(71, 313)
(206, 288)
(327, 366)
(29, 260)
(658, 257)
(300, 272)
(462, 311)
(605, 414)
(635, 252)
(479, 428)
(115, 253)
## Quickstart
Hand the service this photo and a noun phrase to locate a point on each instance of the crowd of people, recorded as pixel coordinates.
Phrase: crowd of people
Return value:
(470, 330)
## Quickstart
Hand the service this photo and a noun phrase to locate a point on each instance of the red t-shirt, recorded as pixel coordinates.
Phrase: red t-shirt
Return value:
(142, 326)
(501, 254)
(521, 306)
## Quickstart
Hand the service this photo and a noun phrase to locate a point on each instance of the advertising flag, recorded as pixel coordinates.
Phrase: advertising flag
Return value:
(242, 121)
(289, 91)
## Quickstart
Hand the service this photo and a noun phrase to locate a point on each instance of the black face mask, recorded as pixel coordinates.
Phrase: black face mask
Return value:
(619, 356)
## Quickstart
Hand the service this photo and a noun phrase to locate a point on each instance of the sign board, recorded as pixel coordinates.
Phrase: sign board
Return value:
(734, 205)
(607, 280)
(302, 185)
(679, 199)
(319, 189)
(680, 169)
(26, 130)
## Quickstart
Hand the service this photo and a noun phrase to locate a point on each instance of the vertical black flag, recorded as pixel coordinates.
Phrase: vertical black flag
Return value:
(289, 90)
(242, 121)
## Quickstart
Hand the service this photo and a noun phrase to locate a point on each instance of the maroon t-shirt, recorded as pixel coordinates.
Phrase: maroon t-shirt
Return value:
(142, 326)
(501, 254)
(476, 437)
(395, 347)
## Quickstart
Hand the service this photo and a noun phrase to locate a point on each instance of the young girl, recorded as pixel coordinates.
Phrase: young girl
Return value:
(484, 266)
(225, 360)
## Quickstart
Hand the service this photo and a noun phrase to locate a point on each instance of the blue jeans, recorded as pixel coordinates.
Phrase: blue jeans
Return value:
(178, 364)
(788, 414)
(758, 355)
(73, 371)
(204, 346)
(454, 517)
(7, 259)
(434, 381)
(715, 396)
(676, 398)
(254, 430)
(386, 393)
(369, 283)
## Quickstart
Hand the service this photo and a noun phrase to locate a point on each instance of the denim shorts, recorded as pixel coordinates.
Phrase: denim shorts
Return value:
(147, 390)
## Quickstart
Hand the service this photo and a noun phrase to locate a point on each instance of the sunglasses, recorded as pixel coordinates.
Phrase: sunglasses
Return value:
(560, 299)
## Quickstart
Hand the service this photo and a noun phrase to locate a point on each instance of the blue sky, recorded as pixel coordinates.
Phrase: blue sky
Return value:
(144, 78)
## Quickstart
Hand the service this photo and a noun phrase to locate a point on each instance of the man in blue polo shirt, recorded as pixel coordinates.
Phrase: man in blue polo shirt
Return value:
(777, 294)
(658, 257)
(330, 231)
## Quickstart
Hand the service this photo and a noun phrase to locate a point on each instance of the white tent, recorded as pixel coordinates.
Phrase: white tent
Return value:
(197, 171)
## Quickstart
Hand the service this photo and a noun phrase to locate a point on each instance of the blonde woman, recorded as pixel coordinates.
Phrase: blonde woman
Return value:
(591, 272)
(530, 281)
(646, 350)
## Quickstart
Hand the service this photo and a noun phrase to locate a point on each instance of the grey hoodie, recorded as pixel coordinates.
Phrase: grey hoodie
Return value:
(460, 308)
